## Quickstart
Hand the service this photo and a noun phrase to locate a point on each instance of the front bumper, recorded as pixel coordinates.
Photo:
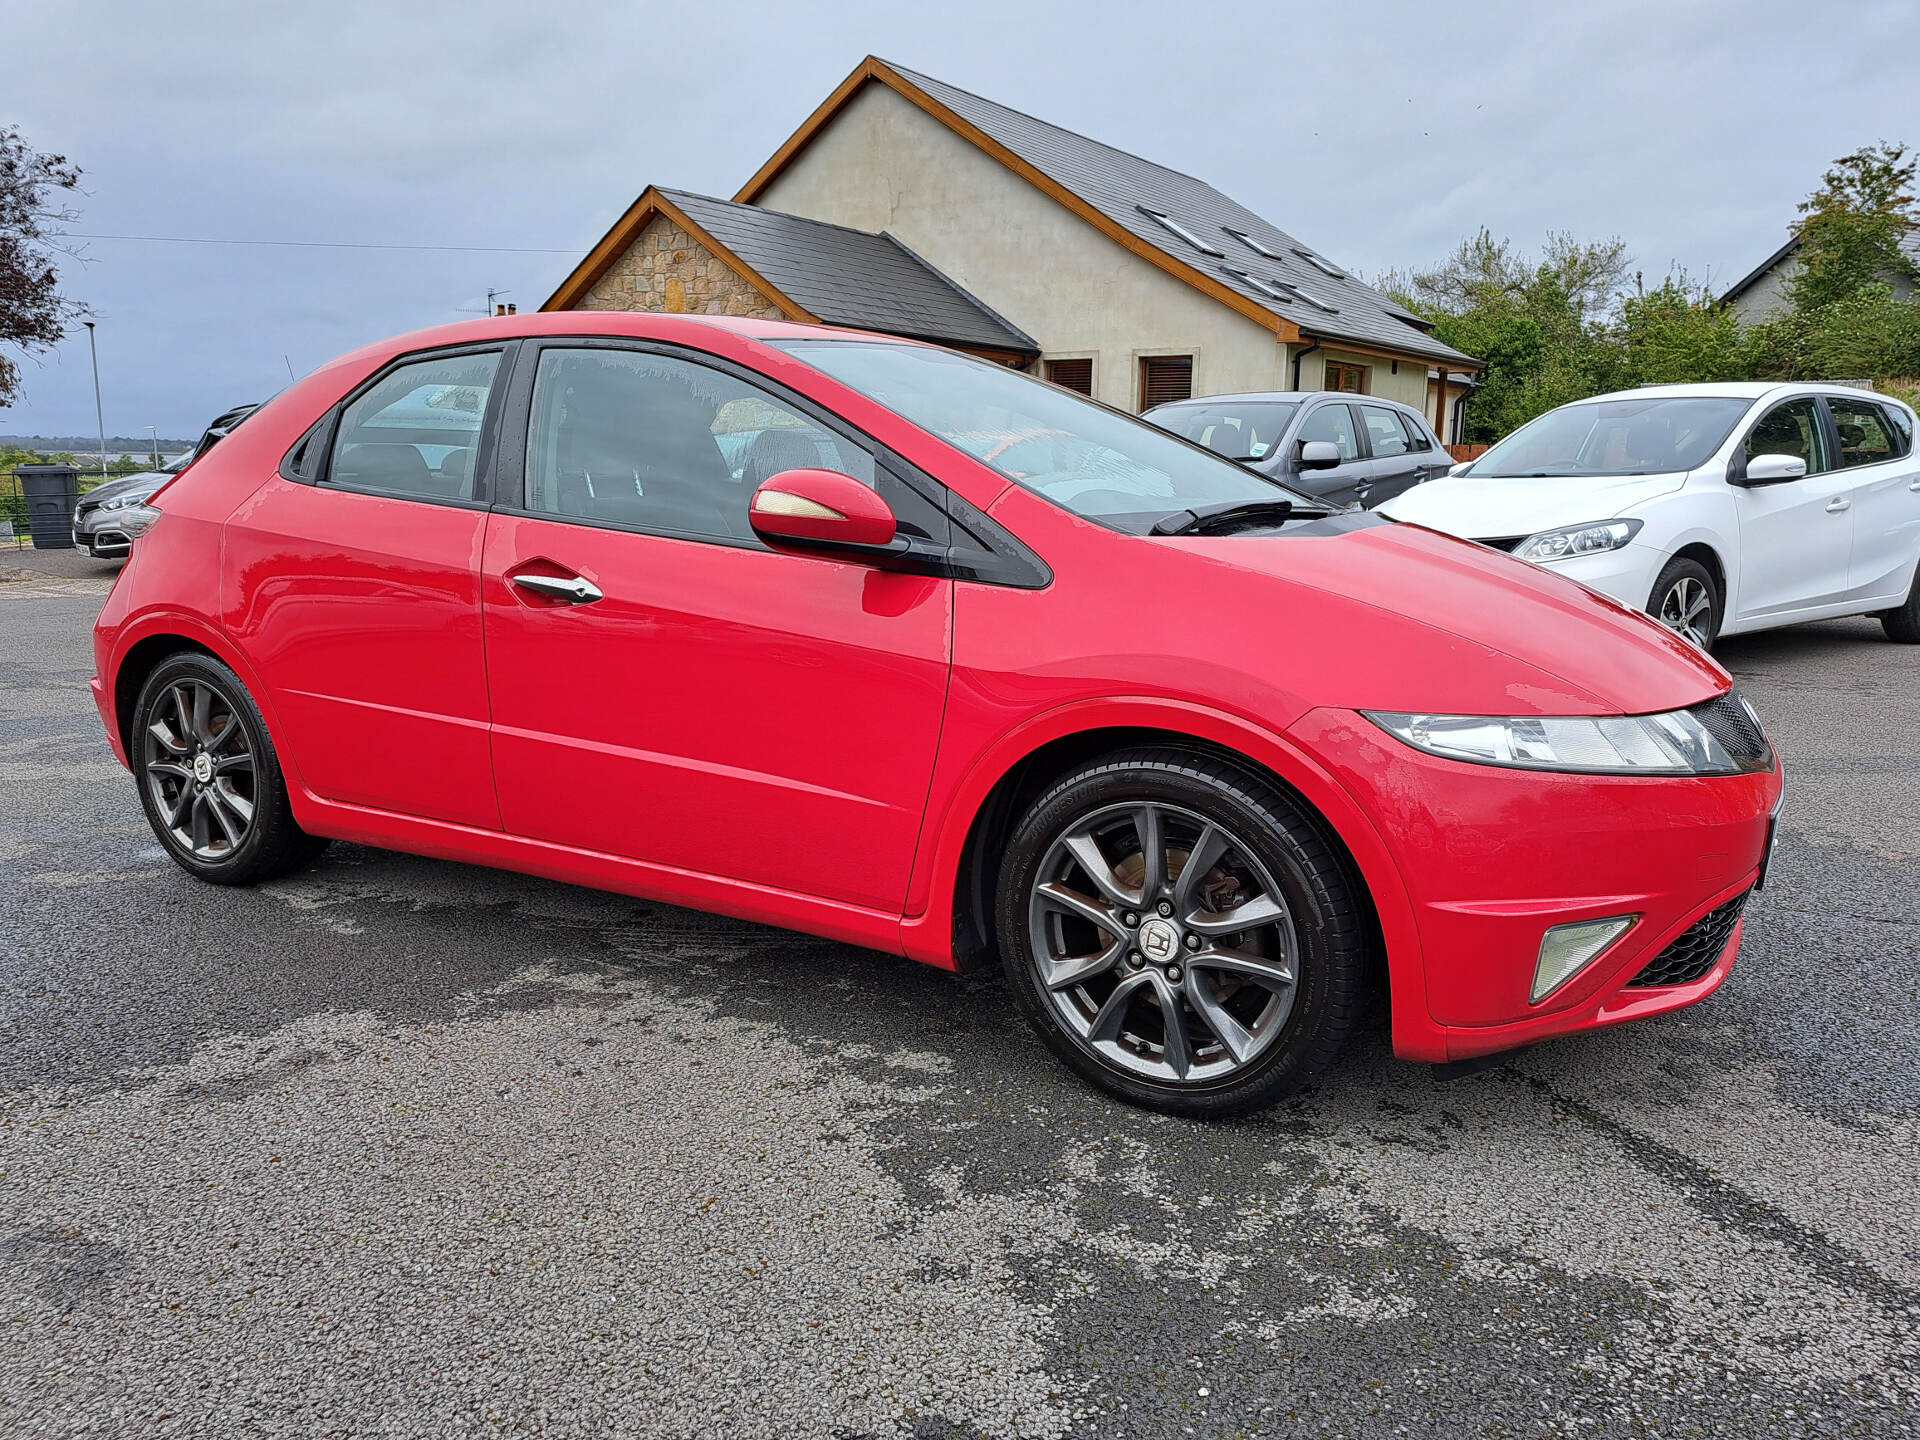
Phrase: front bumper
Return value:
(1491, 858)
(1625, 575)
(95, 530)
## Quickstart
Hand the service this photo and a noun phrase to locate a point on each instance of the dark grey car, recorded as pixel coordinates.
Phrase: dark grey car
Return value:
(1365, 450)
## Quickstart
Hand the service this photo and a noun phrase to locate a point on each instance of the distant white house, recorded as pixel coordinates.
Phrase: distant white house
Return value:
(1765, 293)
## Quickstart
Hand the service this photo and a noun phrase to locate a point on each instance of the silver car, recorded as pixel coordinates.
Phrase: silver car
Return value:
(1342, 448)
(94, 519)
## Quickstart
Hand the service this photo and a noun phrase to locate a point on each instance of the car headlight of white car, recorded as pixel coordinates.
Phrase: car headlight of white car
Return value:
(1673, 743)
(1571, 540)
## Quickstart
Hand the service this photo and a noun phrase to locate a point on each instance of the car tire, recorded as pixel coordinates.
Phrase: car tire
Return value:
(1684, 587)
(1902, 623)
(209, 780)
(1247, 1035)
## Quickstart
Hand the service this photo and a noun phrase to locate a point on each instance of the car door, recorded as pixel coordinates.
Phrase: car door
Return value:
(715, 706)
(1884, 488)
(1396, 466)
(1348, 482)
(1796, 536)
(353, 587)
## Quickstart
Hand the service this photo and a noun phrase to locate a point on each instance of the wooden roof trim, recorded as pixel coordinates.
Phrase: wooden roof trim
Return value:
(873, 69)
(619, 239)
(1330, 343)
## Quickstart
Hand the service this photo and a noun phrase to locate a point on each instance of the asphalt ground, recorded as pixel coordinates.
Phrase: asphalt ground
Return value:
(401, 1148)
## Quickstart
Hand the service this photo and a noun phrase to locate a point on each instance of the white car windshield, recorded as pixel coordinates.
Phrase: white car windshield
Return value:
(1629, 436)
(1082, 456)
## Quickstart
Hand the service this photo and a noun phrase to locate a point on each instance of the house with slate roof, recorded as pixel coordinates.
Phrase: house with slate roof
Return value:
(911, 207)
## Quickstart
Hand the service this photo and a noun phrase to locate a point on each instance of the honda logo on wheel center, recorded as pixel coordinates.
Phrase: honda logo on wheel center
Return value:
(1159, 940)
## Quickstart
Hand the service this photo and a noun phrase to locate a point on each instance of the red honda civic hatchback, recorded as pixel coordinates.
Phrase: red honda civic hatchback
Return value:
(870, 639)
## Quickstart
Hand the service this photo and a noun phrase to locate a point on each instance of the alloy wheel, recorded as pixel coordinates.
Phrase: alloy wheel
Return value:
(1687, 609)
(1162, 943)
(199, 769)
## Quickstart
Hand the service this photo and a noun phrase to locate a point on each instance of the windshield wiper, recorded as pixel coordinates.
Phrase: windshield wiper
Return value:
(1219, 519)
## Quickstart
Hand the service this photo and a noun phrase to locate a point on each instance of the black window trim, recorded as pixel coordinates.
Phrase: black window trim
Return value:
(1003, 559)
(309, 459)
(1832, 426)
(1737, 462)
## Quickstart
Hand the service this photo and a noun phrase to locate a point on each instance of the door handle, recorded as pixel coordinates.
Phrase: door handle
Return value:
(1837, 504)
(1914, 485)
(574, 589)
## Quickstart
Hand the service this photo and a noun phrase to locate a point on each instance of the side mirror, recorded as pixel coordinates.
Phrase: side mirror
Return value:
(1767, 470)
(1461, 468)
(1318, 455)
(822, 510)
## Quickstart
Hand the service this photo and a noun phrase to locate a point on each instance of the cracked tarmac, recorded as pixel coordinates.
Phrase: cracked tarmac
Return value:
(398, 1148)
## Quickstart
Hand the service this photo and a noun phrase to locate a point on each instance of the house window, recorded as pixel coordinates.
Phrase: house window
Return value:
(1165, 379)
(1073, 374)
(1350, 378)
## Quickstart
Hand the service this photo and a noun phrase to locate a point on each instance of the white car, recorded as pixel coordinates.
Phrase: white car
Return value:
(1715, 508)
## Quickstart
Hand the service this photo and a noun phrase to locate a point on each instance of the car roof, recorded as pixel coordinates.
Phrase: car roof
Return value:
(1731, 390)
(1290, 396)
(638, 324)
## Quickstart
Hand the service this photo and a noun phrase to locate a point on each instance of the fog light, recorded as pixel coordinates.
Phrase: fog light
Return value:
(1566, 950)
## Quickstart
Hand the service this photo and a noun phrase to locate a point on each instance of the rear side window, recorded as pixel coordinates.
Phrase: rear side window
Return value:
(1332, 423)
(1903, 427)
(1416, 432)
(1384, 430)
(1791, 429)
(416, 431)
(1866, 438)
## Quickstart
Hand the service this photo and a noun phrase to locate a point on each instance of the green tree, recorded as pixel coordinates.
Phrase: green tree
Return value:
(33, 313)
(1853, 227)
(1676, 333)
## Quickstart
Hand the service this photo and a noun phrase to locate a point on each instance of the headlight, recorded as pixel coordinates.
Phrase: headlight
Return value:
(1571, 540)
(1675, 743)
(120, 502)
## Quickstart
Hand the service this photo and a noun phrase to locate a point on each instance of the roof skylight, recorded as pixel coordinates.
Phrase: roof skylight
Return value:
(1325, 267)
(1315, 301)
(1168, 223)
(1269, 288)
(1254, 245)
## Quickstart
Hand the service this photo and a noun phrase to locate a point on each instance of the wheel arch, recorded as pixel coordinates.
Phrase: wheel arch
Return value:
(955, 929)
(144, 643)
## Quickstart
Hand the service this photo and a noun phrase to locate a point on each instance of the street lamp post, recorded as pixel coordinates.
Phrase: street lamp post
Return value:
(99, 415)
(153, 444)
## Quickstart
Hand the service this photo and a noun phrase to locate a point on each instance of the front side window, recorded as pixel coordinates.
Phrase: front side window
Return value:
(1791, 429)
(416, 431)
(1385, 431)
(627, 437)
(1865, 437)
(1332, 423)
(1240, 430)
(1080, 455)
(1651, 436)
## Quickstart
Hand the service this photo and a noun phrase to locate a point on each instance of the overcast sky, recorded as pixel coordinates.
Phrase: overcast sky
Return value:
(1380, 134)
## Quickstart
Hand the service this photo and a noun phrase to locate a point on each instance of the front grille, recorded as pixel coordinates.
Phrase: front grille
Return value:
(1694, 953)
(1508, 543)
(1727, 720)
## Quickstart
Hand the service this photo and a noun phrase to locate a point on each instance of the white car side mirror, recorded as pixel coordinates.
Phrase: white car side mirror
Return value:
(1773, 469)
(1459, 469)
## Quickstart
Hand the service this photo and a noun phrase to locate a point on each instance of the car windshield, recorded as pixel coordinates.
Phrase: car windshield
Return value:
(1237, 429)
(1648, 436)
(1082, 456)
